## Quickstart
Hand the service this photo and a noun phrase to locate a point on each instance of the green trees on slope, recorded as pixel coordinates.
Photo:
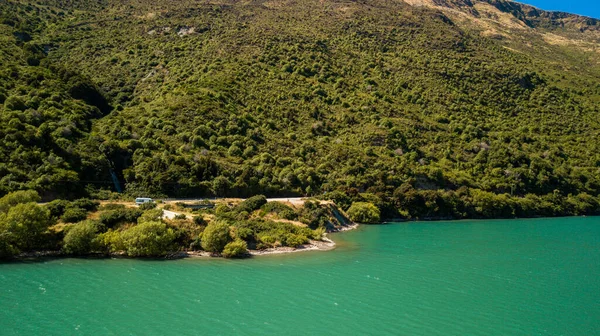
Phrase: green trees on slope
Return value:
(23, 223)
(363, 212)
(387, 99)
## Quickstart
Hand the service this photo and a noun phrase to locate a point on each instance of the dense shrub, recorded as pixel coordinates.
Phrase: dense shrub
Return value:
(295, 240)
(147, 206)
(340, 198)
(119, 216)
(73, 215)
(282, 210)
(235, 249)
(363, 212)
(215, 237)
(57, 207)
(251, 204)
(86, 204)
(80, 238)
(18, 197)
(151, 215)
(265, 240)
(23, 227)
(110, 241)
(313, 214)
(148, 239)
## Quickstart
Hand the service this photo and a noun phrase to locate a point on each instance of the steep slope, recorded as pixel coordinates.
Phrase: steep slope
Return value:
(433, 109)
(46, 109)
(521, 27)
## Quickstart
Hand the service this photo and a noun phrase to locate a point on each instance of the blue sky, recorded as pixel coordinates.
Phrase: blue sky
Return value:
(582, 7)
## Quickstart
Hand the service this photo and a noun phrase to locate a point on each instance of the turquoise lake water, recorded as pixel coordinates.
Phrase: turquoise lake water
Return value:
(501, 277)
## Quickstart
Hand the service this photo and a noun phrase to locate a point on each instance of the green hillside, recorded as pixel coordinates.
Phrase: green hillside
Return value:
(445, 109)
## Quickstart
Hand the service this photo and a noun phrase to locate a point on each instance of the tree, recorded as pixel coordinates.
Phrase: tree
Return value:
(80, 238)
(73, 215)
(221, 185)
(215, 237)
(148, 239)
(363, 212)
(18, 197)
(252, 203)
(235, 249)
(57, 207)
(27, 223)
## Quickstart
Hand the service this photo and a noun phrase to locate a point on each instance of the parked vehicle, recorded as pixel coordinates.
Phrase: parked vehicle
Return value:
(142, 200)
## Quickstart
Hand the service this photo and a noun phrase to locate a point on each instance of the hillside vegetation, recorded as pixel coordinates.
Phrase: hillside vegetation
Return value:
(453, 108)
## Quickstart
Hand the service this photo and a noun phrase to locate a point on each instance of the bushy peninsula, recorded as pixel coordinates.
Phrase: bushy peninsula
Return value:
(84, 227)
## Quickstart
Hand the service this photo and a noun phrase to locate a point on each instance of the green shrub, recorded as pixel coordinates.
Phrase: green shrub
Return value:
(235, 249)
(86, 204)
(221, 209)
(340, 198)
(363, 212)
(313, 214)
(80, 239)
(119, 216)
(180, 216)
(276, 207)
(147, 206)
(15, 103)
(266, 241)
(288, 214)
(295, 240)
(215, 236)
(242, 215)
(244, 233)
(150, 239)
(74, 215)
(251, 204)
(282, 210)
(57, 207)
(18, 197)
(317, 234)
(152, 215)
(24, 226)
(110, 241)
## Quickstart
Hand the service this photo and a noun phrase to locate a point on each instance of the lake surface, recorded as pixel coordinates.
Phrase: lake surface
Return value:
(501, 277)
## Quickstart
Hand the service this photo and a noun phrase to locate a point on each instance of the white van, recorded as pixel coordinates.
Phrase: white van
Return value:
(142, 200)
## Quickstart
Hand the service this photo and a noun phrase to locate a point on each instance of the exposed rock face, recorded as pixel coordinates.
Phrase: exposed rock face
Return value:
(496, 19)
